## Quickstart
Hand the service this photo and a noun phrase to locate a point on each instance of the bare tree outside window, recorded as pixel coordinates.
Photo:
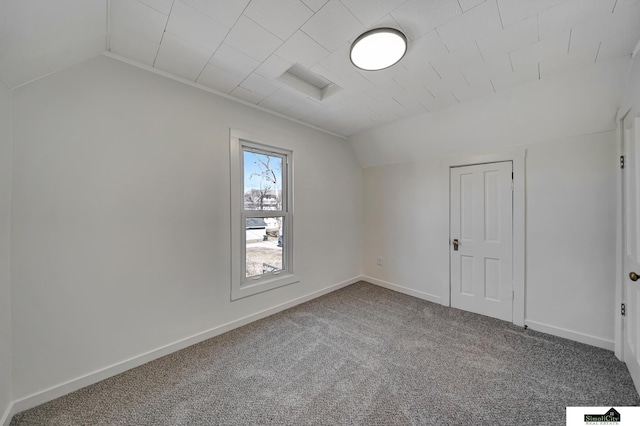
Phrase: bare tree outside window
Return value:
(263, 183)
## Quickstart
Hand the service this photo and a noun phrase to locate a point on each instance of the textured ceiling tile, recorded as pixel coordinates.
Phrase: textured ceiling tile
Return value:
(319, 119)
(545, 50)
(584, 48)
(571, 13)
(388, 21)
(181, 58)
(234, 61)
(418, 17)
(624, 23)
(252, 40)
(468, 4)
(616, 47)
(397, 72)
(371, 11)
(474, 91)
(315, 5)
(281, 17)
(420, 52)
(333, 26)
(219, 79)
(130, 45)
(518, 77)
(138, 18)
(273, 67)
(560, 64)
(260, 85)
(476, 23)
(302, 49)
(439, 100)
(457, 60)
(281, 100)
(517, 35)
(226, 12)
(342, 71)
(195, 27)
(162, 6)
(417, 81)
(304, 109)
(488, 68)
(513, 11)
(621, 4)
(449, 82)
(247, 95)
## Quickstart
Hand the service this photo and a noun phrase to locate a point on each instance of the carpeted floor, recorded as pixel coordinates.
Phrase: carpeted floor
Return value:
(362, 355)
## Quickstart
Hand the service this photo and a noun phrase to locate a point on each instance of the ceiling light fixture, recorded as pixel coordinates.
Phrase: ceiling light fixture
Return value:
(378, 49)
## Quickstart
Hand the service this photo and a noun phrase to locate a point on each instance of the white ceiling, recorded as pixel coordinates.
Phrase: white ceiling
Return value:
(459, 50)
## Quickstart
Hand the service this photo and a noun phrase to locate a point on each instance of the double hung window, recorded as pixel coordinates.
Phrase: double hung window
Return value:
(261, 216)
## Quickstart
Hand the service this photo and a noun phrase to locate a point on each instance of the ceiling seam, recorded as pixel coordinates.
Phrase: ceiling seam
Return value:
(274, 53)
(222, 42)
(163, 32)
(499, 14)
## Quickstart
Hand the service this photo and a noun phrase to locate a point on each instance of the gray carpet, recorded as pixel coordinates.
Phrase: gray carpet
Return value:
(362, 355)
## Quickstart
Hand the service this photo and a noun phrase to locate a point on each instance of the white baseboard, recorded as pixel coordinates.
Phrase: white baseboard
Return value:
(91, 378)
(411, 292)
(534, 325)
(571, 335)
(8, 415)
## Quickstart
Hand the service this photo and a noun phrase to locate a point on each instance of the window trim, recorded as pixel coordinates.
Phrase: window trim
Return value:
(240, 285)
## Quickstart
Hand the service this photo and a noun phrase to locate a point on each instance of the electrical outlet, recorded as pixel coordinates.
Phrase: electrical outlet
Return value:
(379, 261)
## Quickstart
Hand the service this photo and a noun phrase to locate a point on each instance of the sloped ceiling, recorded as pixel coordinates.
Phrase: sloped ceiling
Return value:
(459, 50)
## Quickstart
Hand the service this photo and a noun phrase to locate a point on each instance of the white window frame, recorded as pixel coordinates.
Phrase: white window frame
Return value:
(241, 286)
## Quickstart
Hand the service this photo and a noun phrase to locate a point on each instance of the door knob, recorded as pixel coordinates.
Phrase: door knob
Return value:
(455, 244)
(633, 276)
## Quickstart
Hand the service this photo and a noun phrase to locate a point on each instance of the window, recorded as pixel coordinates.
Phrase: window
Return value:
(261, 217)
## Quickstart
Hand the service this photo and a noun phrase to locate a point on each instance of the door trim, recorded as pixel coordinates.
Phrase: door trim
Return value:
(619, 336)
(517, 157)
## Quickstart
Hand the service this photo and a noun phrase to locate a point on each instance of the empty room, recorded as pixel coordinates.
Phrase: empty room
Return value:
(242, 212)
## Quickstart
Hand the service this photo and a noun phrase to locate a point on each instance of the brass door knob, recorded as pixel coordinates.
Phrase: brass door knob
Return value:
(633, 276)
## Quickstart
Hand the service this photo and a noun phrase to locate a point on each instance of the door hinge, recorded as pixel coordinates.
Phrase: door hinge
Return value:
(622, 161)
(623, 309)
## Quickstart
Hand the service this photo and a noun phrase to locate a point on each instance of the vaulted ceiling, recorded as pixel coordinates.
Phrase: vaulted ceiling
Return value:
(459, 50)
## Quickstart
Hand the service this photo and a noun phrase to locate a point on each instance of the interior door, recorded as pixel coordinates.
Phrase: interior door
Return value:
(481, 232)
(631, 232)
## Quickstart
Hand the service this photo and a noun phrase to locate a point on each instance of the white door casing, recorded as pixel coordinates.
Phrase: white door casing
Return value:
(481, 223)
(631, 238)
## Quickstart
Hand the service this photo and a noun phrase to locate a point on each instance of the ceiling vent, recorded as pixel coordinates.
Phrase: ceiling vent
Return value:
(308, 82)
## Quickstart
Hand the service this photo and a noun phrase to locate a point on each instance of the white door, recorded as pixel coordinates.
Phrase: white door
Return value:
(631, 234)
(481, 233)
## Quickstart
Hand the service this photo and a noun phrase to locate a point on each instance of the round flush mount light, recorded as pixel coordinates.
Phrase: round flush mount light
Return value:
(378, 49)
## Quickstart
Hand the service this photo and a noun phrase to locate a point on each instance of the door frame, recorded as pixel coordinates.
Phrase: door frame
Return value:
(619, 324)
(517, 156)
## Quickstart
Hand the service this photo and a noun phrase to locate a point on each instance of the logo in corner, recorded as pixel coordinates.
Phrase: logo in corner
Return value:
(610, 416)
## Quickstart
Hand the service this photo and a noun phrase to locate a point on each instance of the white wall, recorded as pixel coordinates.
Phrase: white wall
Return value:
(5, 233)
(406, 225)
(570, 228)
(121, 228)
(631, 97)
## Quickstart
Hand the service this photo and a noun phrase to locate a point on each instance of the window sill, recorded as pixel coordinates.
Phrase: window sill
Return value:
(265, 283)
